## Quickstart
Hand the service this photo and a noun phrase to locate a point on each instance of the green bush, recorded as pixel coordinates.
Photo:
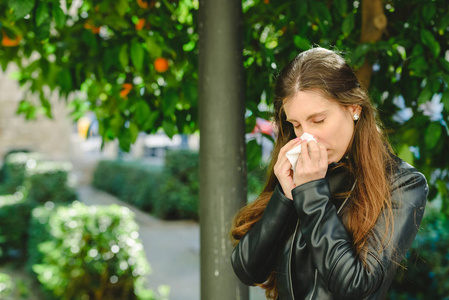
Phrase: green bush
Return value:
(14, 220)
(170, 192)
(88, 252)
(179, 190)
(49, 181)
(14, 169)
(133, 182)
(256, 180)
(6, 286)
(427, 263)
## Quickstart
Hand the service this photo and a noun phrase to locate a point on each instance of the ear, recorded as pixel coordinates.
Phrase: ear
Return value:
(355, 109)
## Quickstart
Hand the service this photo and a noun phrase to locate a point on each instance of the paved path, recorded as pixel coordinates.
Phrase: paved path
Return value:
(172, 248)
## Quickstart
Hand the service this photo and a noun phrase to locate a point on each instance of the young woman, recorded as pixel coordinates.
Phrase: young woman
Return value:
(339, 223)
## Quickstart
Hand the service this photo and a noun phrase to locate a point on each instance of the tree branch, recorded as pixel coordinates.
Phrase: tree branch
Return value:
(374, 23)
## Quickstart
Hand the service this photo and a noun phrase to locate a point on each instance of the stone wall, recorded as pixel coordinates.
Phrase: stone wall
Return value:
(50, 137)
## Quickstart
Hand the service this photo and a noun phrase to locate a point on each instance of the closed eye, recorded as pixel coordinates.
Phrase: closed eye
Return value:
(318, 122)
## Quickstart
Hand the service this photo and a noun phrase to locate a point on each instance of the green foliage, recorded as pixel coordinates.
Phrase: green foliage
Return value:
(109, 50)
(6, 286)
(49, 181)
(88, 252)
(179, 189)
(256, 180)
(169, 192)
(132, 182)
(15, 214)
(14, 169)
(427, 263)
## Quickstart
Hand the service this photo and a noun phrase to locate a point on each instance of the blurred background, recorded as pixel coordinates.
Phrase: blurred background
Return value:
(99, 133)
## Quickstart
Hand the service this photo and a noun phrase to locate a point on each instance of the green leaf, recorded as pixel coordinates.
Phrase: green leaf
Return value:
(121, 6)
(116, 124)
(42, 13)
(301, 42)
(169, 128)
(142, 112)
(445, 64)
(425, 95)
(134, 131)
(444, 22)
(170, 99)
(348, 24)
(43, 31)
(253, 154)
(445, 100)
(433, 134)
(149, 124)
(58, 16)
(137, 55)
(46, 106)
(359, 55)
(428, 11)
(301, 8)
(429, 40)
(322, 16)
(21, 7)
(405, 154)
(65, 80)
(342, 6)
(153, 47)
(123, 56)
(418, 65)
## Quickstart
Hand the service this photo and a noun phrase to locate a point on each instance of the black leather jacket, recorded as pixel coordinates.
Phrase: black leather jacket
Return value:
(305, 242)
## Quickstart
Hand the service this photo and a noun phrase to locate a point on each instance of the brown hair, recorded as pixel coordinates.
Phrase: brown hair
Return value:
(369, 159)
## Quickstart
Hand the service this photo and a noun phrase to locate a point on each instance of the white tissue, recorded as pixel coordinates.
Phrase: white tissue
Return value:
(293, 154)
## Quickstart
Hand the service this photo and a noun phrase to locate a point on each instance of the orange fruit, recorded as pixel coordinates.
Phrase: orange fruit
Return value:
(142, 4)
(161, 65)
(89, 25)
(127, 87)
(266, 1)
(7, 42)
(140, 24)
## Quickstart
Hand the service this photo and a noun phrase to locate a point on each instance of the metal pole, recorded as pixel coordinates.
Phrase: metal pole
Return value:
(222, 143)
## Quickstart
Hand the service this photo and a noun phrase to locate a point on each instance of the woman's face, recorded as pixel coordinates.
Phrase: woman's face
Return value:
(329, 122)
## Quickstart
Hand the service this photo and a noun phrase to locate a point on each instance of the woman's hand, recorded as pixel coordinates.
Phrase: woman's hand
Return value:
(283, 168)
(312, 163)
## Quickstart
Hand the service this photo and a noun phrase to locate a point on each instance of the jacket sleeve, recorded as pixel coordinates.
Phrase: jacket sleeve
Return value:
(333, 256)
(256, 254)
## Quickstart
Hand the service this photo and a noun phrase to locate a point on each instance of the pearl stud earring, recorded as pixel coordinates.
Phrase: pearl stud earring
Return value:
(356, 117)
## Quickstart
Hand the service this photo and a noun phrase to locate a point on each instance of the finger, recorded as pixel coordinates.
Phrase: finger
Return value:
(323, 156)
(314, 151)
(304, 150)
(290, 145)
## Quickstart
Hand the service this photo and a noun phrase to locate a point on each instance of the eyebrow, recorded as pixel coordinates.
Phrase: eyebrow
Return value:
(311, 116)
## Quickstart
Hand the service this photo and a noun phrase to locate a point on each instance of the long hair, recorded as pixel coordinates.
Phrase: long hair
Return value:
(369, 159)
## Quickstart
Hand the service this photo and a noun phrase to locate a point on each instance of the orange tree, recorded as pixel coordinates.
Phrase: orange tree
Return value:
(135, 62)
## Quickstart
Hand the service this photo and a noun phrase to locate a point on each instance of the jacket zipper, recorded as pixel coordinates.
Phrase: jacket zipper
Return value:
(290, 261)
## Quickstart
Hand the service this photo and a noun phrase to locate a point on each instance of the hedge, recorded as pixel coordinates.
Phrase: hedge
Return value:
(88, 252)
(179, 186)
(133, 182)
(426, 271)
(6, 287)
(36, 182)
(14, 167)
(169, 192)
(15, 213)
(49, 181)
